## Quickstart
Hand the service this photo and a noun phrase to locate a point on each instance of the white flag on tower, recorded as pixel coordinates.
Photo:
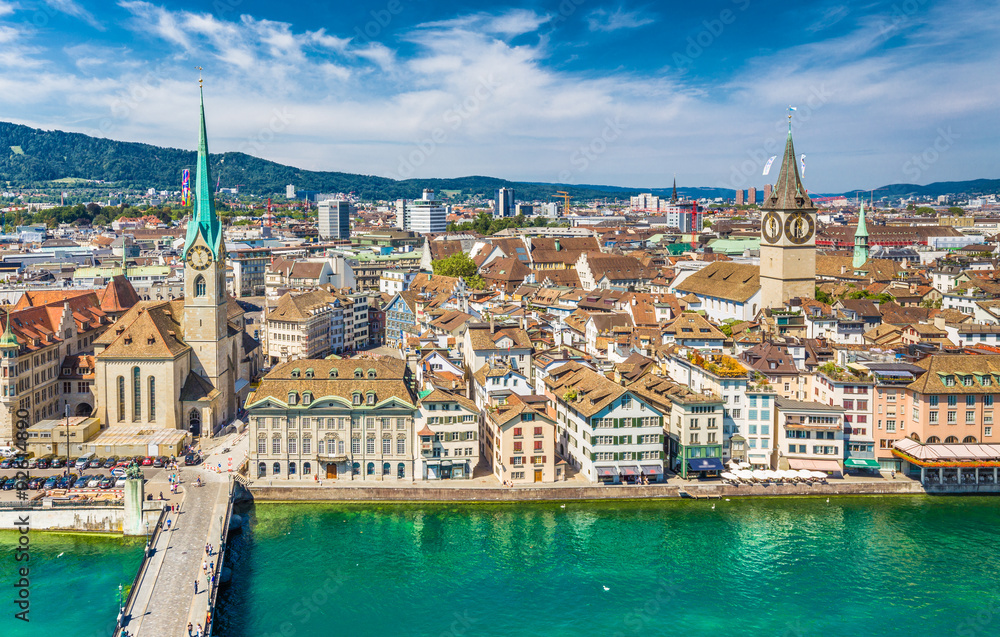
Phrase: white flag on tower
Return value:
(767, 166)
(802, 161)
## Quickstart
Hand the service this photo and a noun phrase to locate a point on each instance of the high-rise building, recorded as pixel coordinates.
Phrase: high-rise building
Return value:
(740, 197)
(525, 209)
(290, 191)
(504, 205)
(552, 210)
(788, 237)
(767, 191)
(426, 215)
(335, 219)
(751, 196)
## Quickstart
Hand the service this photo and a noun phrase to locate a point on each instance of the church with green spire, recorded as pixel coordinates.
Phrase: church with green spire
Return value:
(184, 363)
(861, 241)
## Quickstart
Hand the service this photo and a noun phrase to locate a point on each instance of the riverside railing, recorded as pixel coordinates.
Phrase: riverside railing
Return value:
(141, 571)
(214, 591)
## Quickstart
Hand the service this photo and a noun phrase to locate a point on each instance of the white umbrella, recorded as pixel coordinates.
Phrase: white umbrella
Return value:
(760, 475)
(773, 475)
(728, 476)
(819, 474)
(743, 474)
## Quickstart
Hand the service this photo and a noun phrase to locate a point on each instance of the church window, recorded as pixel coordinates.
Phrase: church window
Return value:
(121, 398)
(152, 398)
(136, 396)
(199, 286)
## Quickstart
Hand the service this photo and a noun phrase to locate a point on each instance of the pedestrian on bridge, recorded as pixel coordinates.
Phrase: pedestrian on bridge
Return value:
(196, 587)
(189, 629)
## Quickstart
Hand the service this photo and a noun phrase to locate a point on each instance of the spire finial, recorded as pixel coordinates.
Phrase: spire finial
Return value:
(200, 78)
(791, 109)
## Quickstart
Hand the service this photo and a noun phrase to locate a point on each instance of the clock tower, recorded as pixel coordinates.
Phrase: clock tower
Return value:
(205, 298)
(788, 237)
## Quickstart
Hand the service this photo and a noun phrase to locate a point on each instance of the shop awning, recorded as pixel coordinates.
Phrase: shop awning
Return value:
(630, 471)
(605, 472)
(706, 464)
(862, 463)
(446, 463)
(814, 465)
(651, 469)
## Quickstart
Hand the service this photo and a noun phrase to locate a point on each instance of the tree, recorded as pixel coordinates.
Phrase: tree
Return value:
(823, 297)
(955, 210)
(459, 264)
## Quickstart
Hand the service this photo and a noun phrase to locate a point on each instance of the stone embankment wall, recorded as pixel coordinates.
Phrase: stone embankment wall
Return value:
(93, 519)
(460, 494)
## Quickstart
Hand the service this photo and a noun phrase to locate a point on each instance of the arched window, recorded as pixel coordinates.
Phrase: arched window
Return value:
(291, 468)
(401, 470)
(261, 470)
(933, 440)
(371, 468)
(276, 469)
(199, 286)
(950, 440)
(356, 468)
(970, 440)
(915, 437)
(136, 395)
(307, 468)
(121, 398)
(386, 468)
(152, 398)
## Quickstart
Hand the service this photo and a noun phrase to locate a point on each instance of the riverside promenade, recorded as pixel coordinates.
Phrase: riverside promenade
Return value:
(165, 600)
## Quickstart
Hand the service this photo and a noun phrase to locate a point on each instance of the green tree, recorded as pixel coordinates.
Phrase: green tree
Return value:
(955, 210)
(459, 264)
(823, 297)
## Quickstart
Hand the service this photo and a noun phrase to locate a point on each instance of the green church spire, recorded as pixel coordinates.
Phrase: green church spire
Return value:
(8, 339)
(203, 218)
(861, 240)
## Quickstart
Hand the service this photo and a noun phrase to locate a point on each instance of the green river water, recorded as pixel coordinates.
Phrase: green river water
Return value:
(775, 567)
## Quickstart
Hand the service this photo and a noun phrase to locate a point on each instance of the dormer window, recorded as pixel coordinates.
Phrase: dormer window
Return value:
(334, 372)
(309, 373)
(293, 398)
(356, 398)
(296, 372)
(949, 381)
(371, 398)
(359, 373)
(371, 373)
(307, 398)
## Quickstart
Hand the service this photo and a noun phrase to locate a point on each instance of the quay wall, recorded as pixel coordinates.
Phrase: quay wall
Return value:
(264, 493)
(92, 519)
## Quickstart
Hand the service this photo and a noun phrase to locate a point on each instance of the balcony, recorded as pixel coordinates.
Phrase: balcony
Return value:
(332, 457)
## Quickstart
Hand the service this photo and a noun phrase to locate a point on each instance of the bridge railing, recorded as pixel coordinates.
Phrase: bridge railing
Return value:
(214, 590)
(133, 590)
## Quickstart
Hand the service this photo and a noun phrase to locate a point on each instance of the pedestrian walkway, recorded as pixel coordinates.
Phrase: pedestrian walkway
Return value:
(166, 599)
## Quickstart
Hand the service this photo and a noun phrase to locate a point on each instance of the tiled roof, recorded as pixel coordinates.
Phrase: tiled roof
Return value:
(724, 280)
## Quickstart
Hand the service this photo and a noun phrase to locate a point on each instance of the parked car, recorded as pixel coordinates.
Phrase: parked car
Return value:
(58, 463)
(65, 482)
(110, 462)
(95, 482)
(80, 481)
(44, 462)
(7, 483)
(96, 463)
(6, 463)
(159, 461)
(192, 459)
(33, 463)
(107, 482)
(36, 483)
(148, 461)
(51, 482)
(120, 483)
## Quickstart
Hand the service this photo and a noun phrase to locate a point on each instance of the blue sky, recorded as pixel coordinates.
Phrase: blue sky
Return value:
(577, 91)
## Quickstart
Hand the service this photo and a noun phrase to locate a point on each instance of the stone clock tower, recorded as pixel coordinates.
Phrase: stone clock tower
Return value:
(788, 237)
(205, 298)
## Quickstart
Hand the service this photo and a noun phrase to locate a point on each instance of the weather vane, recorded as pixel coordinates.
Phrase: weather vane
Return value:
(200, 79)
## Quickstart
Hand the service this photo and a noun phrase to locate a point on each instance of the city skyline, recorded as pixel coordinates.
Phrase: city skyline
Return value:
(572, 93)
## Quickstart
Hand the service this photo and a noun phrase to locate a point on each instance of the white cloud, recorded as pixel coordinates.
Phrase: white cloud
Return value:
(604, 20)
(73, 8)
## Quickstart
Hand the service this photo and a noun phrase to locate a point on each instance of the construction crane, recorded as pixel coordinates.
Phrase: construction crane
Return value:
(562, 194)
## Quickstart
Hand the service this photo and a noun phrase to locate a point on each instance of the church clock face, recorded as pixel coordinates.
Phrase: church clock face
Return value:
(771, 227)
(799, 227)
(200, 257)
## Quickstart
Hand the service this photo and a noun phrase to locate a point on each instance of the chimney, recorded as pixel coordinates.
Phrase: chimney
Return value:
(939, 322)
(493, 327)
(843, 269)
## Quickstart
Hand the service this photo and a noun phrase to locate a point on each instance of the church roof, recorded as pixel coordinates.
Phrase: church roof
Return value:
(788, 192)
(151, 329)
(197, 388)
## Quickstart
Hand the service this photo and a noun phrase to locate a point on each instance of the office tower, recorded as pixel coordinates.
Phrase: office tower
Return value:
(427, 215)
(403, 214)
(740, 197)
(767, 191)
(751, 196)
(335, 219)
(290, 191)
(504, 203)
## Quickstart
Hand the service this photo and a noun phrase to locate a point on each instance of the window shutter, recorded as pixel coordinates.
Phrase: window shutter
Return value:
(636, 422)
(593, 456)
(616, 455)
(543, 459)
(661, 455)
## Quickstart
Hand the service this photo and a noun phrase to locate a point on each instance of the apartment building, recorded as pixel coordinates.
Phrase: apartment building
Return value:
(608, 433)
(447, 440)
(852, 389)
(811, 435)
(519, 444)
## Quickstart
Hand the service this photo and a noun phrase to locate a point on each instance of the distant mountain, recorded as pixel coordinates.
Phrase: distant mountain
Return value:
(967, 188)
(35, 158)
